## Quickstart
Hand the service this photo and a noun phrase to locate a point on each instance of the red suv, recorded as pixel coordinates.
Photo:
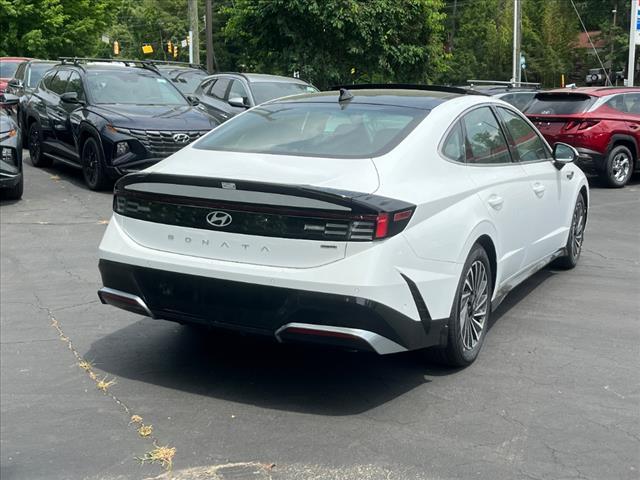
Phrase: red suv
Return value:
(602, 123)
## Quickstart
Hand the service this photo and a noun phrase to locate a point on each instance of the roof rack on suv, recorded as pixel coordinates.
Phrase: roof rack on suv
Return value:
(78, 61)
(407, 86)
(503, 83)
(177, 64)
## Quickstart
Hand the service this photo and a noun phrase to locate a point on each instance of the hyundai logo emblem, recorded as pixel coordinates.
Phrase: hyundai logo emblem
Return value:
(219, 219)
(181, 138)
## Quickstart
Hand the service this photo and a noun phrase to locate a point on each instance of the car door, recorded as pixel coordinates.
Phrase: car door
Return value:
(70, 111)
(41, 105)
(547, 188)
(502, 186)
(632, 111)
(214, 99)
(58, 114)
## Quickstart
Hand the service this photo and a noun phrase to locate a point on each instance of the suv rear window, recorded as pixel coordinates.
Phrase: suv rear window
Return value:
(316, 130)
(559, 104)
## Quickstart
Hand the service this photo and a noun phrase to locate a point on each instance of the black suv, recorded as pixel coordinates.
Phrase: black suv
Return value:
(519, 95)
(224, 95)
(109, 118)
(23, 83)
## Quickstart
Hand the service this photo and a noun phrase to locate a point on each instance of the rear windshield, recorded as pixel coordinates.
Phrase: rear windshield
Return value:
(187, 82)
(316, 130)
(559, 104)
(265, 91)
(36, 72)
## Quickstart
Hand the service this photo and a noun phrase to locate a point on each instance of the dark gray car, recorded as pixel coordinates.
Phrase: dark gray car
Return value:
(11, 179)
(224, 95)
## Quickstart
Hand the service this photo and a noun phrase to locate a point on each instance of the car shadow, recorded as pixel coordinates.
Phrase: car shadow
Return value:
(596, 181)
(258, 371)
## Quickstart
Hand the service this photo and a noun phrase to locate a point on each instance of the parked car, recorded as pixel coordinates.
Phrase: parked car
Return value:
(227, 94)
(109, 118)
(377, 219)
(22, 85)
(185, 76)
(11, 179)
(598, 76)
(518, 95)
(8, 67)
(603, 123)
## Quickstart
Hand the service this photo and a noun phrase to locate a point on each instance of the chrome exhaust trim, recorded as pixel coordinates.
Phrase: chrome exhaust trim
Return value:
(380, 344)
(124, 300)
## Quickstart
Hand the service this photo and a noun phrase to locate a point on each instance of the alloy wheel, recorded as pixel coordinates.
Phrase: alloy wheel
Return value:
(90, 164)
(34, 144)
(473, 305)
(577, 228)
(620, 166)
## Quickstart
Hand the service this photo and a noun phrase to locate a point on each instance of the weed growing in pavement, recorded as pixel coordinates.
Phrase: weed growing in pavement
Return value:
(162, 455)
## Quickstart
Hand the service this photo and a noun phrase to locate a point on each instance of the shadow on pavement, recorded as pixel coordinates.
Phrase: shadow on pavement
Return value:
(258, 371)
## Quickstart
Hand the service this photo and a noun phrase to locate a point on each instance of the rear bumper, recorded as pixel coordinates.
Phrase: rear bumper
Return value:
(284, 313)
(590, 160)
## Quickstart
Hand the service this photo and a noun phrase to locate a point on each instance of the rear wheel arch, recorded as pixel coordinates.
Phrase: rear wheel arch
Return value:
(486, 242)
(627, 141)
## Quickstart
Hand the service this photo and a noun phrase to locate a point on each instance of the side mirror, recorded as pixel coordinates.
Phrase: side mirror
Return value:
(193, 100)
(238, 102)
(15, 83)
(70, 97)
(8, 99)
(563, 154)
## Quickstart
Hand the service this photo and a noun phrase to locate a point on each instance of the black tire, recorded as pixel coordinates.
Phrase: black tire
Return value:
(35, 147)
(93, 169)
(573, 248)
(463, 345)
(15, 192)
(618, 167)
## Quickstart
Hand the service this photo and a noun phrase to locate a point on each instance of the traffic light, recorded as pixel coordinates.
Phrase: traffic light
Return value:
(169, 47)
(175, 51)
(116, 48)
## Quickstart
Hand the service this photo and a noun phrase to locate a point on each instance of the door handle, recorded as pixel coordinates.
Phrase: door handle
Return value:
(495, 202)
(634, 126)
(539, 189)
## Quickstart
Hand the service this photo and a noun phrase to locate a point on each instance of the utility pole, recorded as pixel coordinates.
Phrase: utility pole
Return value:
(194, 33)
(633, 34)
(211, 58)
(612, 41)
(517, 35)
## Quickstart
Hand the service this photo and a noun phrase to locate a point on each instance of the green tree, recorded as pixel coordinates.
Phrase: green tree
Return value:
(50, 28)
(327, 40)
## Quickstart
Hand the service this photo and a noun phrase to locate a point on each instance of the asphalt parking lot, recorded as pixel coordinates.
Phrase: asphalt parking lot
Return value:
(555, 394)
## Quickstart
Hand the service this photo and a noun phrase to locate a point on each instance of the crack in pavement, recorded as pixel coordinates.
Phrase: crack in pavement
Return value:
(104, 385)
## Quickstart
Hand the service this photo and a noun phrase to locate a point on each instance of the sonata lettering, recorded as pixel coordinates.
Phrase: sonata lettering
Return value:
(207, 243)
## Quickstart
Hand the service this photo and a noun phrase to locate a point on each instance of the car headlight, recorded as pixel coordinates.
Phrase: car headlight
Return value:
(122, 148)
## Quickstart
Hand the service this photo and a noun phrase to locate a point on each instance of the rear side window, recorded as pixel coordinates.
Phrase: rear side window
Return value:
(219, 88)
(559, 104)
(485, 140)
(453, 146)
(528, 144)
(59, 82)
(47, 78)
(633, 103)
(316, 130)
(625, 103)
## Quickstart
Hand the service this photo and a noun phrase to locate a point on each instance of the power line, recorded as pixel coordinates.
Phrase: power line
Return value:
(592, 45)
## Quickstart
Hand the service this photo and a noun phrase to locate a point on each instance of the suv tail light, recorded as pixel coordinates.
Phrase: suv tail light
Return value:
(588, 124)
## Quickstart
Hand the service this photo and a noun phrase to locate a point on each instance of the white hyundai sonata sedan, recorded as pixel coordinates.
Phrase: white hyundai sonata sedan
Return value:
(386, 219)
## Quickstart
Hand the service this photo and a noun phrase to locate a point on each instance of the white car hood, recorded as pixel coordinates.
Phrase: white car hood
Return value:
(358, 175)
